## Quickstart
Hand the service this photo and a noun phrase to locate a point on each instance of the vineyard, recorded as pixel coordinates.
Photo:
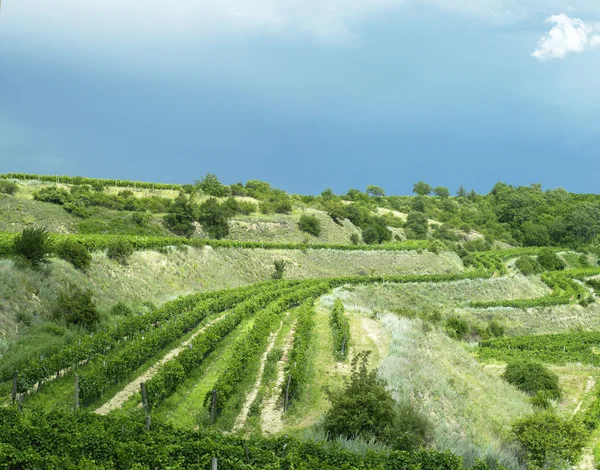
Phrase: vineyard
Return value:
(245, 377)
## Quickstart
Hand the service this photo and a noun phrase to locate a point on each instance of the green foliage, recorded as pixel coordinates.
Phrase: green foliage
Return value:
(310, 224)
(279, 265)
(52, 194)
(94, 182)
(441, 192)
(528, 265)
(83, 440)
(417, 225)
(340, 329)
(549, 260)
(375, 191)
(211, 185)
(76, 306)
(532, 377)
(457, 327)
(121, 309)
(74, 253)
(119, 250)
(180, 218)
(462, 192)
(422, 189)
(336, 210)
(8, 187)
(354, 238)
(436, 247)
(276, 201)
(550, 441)
(32, 246)
(366, 409)
(214, 218)
(376, 232)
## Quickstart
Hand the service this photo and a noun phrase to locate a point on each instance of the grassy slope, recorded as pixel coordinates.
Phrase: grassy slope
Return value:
(470, 408)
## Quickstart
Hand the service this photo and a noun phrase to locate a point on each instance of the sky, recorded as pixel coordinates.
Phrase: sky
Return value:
(304, 94)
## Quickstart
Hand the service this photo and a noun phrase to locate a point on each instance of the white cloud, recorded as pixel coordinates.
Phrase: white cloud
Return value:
(566, 36)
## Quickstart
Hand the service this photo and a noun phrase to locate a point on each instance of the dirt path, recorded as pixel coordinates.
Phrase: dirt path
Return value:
(271, 419)
(241, 419)
(590, 384)
(133, 387)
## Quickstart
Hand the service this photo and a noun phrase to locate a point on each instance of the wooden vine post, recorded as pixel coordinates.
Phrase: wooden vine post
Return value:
(214, 463)
(145, 403)
(76, 391)
(13, 394)
(213, 406)
(286, 401)
(343, 351)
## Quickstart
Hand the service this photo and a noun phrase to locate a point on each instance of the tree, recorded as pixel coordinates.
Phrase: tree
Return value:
(211, 185)
(422, 189)
(375, 191)
(550, 261)
(531, 378)
(417, 225)
(75, 253)
(310, 224)
(76, 307)
(441, 192)
(180, 218)
(336, 210)
(214, 218)
(327, 194)
(279, 265)
(119, 250)
(462, 192)
(365, 408)
(32, 246)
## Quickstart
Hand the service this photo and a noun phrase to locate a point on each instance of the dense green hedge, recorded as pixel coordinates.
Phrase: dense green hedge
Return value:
(561, 348)
(83, 180)
(298, 364)
(95, 242)
(340, 330)
(86, 441)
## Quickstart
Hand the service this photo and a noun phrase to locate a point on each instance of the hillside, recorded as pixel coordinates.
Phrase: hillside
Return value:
(242, 310)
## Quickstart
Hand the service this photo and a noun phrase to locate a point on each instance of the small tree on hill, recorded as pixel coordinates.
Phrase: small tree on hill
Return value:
(76, 307)
(214, 218)
(180, 218)
(119, 250)
(211, 185)
(462, 192)
(32, 246)
(75, 253)
(375, 191)
(422, 189)
(310, 224)
(441, 192)
(279, 265)
(417, 225)
(550, 261)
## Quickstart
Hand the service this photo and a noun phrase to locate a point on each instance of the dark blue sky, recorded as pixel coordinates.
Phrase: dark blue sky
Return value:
(320, 94)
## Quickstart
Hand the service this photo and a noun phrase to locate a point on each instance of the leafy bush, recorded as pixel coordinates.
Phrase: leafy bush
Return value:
(550, 441)
(528, 265)
(121, 309)
(76, 307)
(376, 232)
(32, 246)
(416, 225)
(52, 194)
(310, 224)
(279, 265)
(531, 378)
(8, 187)
(457, 327)
(119, 250)
(549, 260)
(336, 210)
(75, 253)
(365, 408)
(180, 218)
(436, 247)
(354, 238)
(214, 218)
(211, 185)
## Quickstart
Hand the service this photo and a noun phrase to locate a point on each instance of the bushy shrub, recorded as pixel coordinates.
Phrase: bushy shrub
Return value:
(550, 441)
(279, 265)
(75, 253)
(32, 246)
(52, 194)
(180, 218)
(549, 260)
(531, 378)
(76, 307)
(365, 408)
(436, 247)
(119, 250)
(121, 309)
(211, 185)
(8, 187)
(457, 327)
(416, 226)
(376, 232)
(354, 238)
(336, 210)
(528, 265)
(310, 224)
(214, 218)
